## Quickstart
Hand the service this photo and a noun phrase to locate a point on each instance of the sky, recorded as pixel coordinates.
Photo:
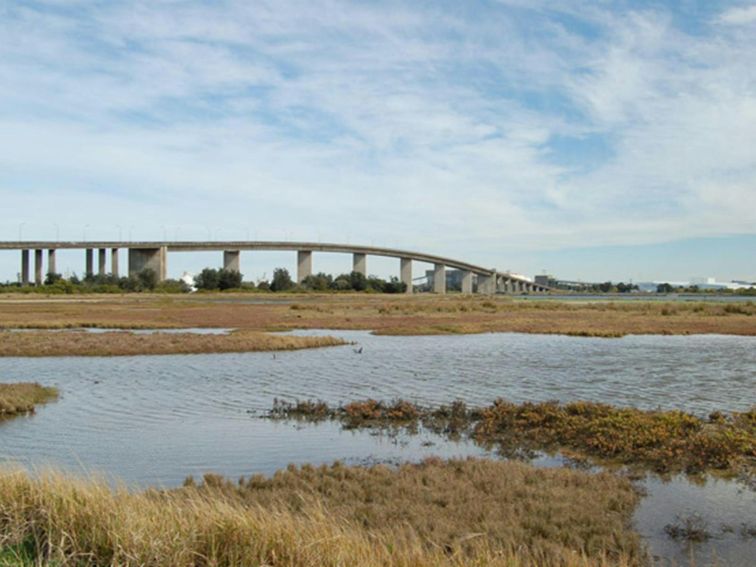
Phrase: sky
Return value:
(594, 140)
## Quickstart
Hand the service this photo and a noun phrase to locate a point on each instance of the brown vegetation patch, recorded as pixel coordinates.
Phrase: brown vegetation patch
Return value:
(73, 343)
(664, 441)
(464, 507)
(405, 315)
(21, 397)
(433, 514)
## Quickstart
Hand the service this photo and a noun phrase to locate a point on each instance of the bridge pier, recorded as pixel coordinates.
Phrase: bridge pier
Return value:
(148, 259)
(24, 267)
(51, 266)
(38, 266)
(89, 268)
(114, 262)
(304, 264)
(487, 284)
(101, 259)
(359, 263)
(405, 271)
(439, 278)
(467, 281)
(232, 260)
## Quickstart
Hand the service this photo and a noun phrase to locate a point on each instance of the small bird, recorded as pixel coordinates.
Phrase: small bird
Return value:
(358, 350)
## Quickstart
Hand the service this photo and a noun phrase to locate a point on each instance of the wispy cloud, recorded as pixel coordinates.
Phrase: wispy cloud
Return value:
(450, 124)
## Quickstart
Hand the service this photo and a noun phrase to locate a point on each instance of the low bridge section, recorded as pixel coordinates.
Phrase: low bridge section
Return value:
(154, 255)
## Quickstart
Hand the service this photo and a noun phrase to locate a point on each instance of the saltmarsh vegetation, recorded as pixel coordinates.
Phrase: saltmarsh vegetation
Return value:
(79, 343)
(663, 441)
(22, 397)
(385, 314)
(436, 513)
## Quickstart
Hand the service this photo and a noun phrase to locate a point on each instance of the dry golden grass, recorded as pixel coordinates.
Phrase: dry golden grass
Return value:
(384, 314)
(21, 397)
(73, 343)
(435, 514)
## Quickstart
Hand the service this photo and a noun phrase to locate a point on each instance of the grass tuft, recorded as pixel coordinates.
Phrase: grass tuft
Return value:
(22, 397)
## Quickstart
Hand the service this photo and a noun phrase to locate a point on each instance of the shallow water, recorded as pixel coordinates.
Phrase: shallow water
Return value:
(157, 419)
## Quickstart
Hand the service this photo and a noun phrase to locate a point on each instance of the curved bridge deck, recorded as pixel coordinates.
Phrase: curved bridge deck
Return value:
(153, 255)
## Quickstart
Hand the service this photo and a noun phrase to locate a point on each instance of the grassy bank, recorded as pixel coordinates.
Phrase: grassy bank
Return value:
(433, 514)
(73, 343)
(22, 397)
(384, 314)
(664, 441)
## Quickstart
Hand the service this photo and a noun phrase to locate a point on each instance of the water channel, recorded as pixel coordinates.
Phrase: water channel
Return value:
(153, 420)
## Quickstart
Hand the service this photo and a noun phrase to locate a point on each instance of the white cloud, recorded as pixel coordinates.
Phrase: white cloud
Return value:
(739, 16)
(380, 121)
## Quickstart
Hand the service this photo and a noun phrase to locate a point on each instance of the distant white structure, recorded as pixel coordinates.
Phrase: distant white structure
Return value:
(701, 283)
(188, 279)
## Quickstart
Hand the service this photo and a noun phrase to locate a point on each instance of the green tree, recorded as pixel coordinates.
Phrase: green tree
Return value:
(207, 279)
(358, 281)
(281, 280)
(52, 277)
(394, 286)
(148, 279)
(229, 279)
(318, 282)
(342, 283)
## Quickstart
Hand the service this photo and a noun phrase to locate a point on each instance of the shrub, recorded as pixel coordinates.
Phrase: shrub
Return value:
(281, 280)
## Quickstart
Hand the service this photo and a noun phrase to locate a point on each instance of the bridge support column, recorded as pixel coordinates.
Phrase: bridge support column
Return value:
(467, 282)
(101, 259)
(439, 278)
(51, 264)
(38, 267)
(508, 287)
(359, 263)
(24, 267)
(232, 260)
(89, 269)
(114, 262)
(405, 271)
(304, 264)
(487, 283)
(148, 259)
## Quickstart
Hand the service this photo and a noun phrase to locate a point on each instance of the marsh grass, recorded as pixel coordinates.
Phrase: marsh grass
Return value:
(22, 397)
(74, 343)
(663, 441)
(432, 514)
(388, 315)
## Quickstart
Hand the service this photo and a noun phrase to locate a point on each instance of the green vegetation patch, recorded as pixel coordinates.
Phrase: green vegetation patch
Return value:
(21, 397)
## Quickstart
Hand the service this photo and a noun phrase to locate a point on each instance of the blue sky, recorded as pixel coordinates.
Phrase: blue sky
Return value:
(594, 140)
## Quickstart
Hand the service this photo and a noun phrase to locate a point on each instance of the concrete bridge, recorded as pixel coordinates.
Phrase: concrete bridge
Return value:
(154, 255)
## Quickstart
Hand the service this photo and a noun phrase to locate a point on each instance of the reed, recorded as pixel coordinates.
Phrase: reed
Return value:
(433, 514)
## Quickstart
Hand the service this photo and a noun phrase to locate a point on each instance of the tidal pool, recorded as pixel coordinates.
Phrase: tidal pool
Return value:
(153, 420)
